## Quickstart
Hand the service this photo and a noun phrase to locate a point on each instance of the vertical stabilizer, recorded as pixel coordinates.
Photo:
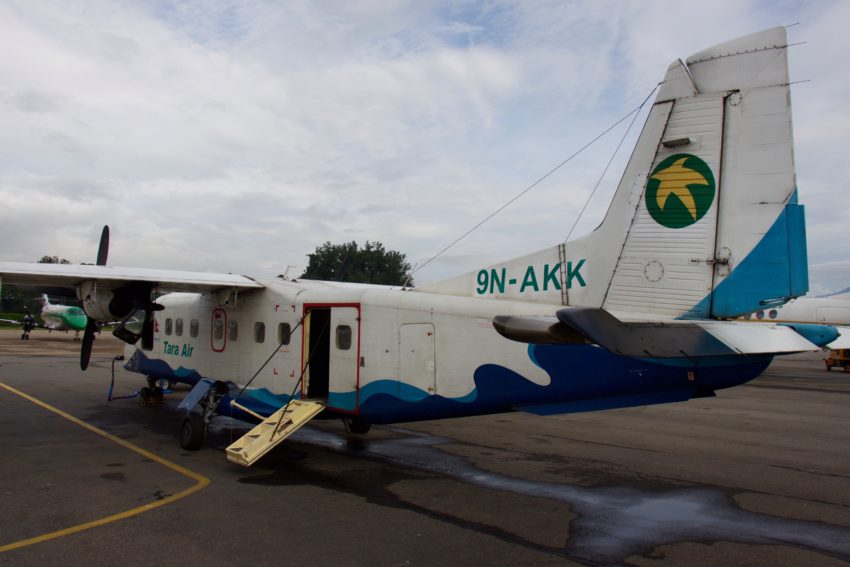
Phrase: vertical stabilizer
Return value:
(705, 221)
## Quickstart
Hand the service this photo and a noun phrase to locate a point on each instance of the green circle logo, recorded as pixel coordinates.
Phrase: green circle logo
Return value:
(680, 191)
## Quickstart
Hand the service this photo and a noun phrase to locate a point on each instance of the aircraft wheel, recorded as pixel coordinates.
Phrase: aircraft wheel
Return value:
(145, 396)
(359, 426)
(192, 432)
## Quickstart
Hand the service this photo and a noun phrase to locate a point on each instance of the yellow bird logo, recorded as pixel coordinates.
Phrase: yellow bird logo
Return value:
(674, 180)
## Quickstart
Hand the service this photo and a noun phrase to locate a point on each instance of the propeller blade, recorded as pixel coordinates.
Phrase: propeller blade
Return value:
(88, 341)
(103, 249)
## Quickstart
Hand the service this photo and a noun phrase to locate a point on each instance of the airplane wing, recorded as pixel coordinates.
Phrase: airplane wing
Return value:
(113, 293)
(662, 339)
(113, 277)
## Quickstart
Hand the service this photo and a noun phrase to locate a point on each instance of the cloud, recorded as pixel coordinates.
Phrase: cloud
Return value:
(238, 136)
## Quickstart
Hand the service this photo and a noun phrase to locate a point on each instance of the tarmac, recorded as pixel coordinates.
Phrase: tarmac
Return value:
(759, 475)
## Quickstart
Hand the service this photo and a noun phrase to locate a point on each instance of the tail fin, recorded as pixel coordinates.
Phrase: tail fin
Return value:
(44, 301)
(705, 221)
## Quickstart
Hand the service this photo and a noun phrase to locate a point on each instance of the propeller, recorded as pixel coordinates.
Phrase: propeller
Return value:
(88, 342)
(91, 325)
(103, 249)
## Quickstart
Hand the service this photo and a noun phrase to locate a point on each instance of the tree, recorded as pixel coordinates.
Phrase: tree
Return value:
(350, 263)
(15, 299)
(53, 260)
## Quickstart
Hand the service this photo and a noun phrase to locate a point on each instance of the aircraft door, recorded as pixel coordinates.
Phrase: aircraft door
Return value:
(344, 358)
(418, 363)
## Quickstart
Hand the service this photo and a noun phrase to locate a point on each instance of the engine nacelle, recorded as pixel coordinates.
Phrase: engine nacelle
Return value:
(110, 304)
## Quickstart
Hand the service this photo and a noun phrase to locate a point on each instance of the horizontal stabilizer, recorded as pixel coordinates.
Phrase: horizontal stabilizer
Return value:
(843, 340)
(655, 339)
(821, 335)
(652, 339)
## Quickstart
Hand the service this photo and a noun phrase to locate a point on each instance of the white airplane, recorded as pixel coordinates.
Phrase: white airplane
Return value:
(832, 310)
(704, 227)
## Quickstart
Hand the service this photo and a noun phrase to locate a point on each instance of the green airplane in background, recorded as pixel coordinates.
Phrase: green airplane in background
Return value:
(62, 317)
(57, 318)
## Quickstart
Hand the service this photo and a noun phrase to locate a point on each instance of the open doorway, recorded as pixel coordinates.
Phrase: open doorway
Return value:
(317, 356)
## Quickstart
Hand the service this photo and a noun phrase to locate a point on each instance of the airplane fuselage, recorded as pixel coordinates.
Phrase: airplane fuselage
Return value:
(63, 318)
(388, 355)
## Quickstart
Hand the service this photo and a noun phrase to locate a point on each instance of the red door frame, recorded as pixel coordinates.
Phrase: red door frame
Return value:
(304, 309)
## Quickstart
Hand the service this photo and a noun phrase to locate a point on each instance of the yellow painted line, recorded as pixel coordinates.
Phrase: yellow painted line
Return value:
(200, 481)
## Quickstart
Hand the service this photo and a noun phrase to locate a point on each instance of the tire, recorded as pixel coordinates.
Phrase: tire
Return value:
(145, 395)
(192, 432)
(358, 426)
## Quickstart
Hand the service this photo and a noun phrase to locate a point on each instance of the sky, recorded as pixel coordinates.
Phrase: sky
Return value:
(239, 136)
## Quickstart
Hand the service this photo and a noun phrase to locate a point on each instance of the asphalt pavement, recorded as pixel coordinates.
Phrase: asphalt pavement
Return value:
(759, 475)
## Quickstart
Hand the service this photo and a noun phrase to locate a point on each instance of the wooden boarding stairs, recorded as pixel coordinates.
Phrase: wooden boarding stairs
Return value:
(271, 430)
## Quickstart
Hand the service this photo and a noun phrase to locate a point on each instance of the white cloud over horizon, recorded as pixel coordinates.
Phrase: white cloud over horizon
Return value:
(238, 136)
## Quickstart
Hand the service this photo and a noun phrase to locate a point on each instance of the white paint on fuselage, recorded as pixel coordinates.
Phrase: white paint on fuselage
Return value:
(463, 333)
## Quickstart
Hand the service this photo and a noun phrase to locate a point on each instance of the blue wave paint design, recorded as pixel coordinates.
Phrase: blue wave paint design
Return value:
(582, 378)
(157, 369)
(578, 373)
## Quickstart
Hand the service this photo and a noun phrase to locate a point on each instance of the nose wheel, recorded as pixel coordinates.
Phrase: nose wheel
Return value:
(193, 430)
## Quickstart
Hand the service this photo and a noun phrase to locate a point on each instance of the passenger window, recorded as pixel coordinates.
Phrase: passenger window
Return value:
(259, 332)
(178, 327)
(284, 334)
(218, 328)
(232, 330)
(193, 328)
(168, 326)
(343, 337)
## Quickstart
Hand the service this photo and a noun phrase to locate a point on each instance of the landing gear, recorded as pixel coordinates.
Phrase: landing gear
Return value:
(152, 393)
(192, 431)
(193, 428)
(356, 425)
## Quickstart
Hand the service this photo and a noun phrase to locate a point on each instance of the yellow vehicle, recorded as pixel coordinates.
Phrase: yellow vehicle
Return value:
(838, 357)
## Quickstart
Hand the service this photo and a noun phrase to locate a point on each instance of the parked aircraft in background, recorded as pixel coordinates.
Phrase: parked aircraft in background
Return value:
(58, 317)
(62, 317)
(832, 310)
(27, 324)
(704, 227)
